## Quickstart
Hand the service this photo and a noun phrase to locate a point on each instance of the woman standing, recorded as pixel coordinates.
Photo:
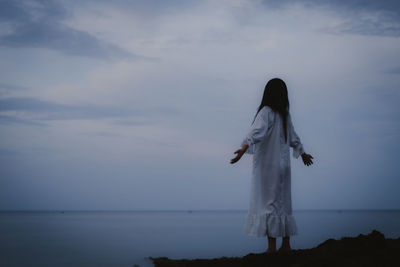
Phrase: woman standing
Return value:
(269, 140)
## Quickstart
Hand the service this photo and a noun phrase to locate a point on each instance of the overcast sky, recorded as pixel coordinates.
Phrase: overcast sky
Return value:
(141, 104)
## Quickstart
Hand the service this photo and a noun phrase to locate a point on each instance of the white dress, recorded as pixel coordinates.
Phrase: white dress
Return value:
(270, 210)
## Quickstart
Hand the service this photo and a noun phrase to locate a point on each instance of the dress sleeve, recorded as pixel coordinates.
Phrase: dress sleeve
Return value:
(294, 140)
(257, 130)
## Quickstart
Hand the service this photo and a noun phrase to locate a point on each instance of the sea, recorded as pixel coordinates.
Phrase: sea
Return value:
(130, 238)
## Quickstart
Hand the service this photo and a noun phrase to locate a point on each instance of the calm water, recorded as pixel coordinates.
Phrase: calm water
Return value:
(81, 238)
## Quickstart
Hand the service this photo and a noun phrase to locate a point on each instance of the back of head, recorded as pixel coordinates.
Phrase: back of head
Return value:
(276, 97)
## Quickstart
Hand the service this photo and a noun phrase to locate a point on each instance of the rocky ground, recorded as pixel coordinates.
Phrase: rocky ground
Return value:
(364, 250)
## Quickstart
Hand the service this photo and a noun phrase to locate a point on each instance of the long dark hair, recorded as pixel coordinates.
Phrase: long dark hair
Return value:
(276, 97)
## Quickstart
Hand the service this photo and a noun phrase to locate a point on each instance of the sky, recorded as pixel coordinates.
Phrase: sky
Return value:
(139, 105)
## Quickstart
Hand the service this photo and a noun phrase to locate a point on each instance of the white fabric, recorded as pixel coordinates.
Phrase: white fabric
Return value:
(270, 210)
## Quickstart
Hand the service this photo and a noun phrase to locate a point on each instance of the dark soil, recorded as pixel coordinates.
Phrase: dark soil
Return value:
(364, 250)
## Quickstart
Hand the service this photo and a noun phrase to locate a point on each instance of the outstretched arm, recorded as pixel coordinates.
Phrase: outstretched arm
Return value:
(257, 132)
(297, 146)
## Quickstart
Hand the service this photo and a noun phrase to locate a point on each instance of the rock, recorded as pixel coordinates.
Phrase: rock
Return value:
(364, 250)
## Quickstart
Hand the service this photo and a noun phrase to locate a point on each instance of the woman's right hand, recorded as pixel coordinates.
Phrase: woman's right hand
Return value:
(239, 153)
(307, 159)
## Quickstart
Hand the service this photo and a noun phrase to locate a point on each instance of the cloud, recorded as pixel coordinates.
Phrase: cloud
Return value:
(35, 112)
(394, 70)
(39, 24)
(193, 107)
(7, 119)
(11, 87)
(46, 110)
(7, 89)
(4, 152)
(369, 17)
(371, 25)
(389, 7)
(375, 18)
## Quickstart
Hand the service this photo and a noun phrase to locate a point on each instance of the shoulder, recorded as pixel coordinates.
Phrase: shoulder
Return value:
(265, 113)
(266, 110)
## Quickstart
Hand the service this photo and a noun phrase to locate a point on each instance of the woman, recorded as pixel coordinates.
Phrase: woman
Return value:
(269, 140)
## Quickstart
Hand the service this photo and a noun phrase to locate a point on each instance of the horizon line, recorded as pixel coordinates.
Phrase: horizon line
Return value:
(183, 210)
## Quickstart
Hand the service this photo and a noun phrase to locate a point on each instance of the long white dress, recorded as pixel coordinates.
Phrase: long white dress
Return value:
(270, 210)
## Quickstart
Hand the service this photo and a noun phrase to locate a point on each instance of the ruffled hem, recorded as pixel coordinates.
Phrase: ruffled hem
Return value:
(270, 224)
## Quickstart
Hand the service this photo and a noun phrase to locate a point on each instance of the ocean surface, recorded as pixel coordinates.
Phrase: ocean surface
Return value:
(127, 238)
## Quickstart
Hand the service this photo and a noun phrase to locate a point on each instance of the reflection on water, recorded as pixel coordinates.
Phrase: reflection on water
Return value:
(125, 238)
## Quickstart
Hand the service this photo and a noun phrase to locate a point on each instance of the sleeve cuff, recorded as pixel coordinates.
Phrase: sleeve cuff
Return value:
(297, 151)
(250, 149)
